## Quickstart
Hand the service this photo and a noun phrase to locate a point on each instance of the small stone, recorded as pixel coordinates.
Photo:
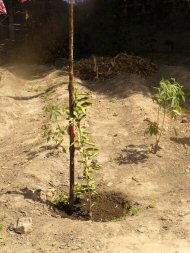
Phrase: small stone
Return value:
(185, 146)
(141, 230)
(184, 120)
(80, 176)
(42, 196)
(182, 201)
(187, 171)
(29, 201)
(24, 225)
(11, 229)
(50, 194)
(94, 161)
(135, 179)
(23, 212)
(109, 184)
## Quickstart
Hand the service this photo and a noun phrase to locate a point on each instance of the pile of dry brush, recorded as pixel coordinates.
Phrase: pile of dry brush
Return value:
(107, 67)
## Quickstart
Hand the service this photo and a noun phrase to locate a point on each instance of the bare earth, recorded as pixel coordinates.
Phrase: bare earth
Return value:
(158, 184)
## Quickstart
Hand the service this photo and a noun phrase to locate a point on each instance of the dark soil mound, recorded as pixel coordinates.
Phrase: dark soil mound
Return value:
(107, 206)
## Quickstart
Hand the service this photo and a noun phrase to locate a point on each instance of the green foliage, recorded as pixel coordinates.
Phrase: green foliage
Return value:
(53, 110)
(61, 199)
(130, 210)
(86, 148)
(152, 129)
(54, 131)
(134, 211)
(170, 94)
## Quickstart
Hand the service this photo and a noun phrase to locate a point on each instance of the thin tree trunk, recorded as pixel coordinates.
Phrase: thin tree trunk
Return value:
(71, 106)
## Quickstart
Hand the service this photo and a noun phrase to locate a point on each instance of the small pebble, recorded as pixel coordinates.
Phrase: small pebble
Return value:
(184, 120)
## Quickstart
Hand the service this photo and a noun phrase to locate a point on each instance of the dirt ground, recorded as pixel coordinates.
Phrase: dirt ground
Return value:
(158, 185)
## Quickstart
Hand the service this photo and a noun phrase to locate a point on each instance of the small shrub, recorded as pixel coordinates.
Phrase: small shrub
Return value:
(170, 94)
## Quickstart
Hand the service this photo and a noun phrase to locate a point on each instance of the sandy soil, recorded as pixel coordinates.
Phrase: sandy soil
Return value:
(116, 119)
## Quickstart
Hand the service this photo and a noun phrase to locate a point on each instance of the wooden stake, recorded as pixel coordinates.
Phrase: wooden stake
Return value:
(71, 105)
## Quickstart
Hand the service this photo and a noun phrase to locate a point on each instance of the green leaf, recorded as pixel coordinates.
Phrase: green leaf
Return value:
(91, 149)
(85, 98)
(92, 156)
(64, 149)
(86, 104)
(89, 143)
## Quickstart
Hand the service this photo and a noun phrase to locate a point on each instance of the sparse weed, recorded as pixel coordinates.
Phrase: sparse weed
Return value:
(152, 203)
(130, 210)
(134, 210)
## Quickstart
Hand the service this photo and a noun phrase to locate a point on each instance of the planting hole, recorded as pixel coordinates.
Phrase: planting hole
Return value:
(108, 206)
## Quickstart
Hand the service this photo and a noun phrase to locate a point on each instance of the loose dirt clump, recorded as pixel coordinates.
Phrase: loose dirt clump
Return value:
(108, 206)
